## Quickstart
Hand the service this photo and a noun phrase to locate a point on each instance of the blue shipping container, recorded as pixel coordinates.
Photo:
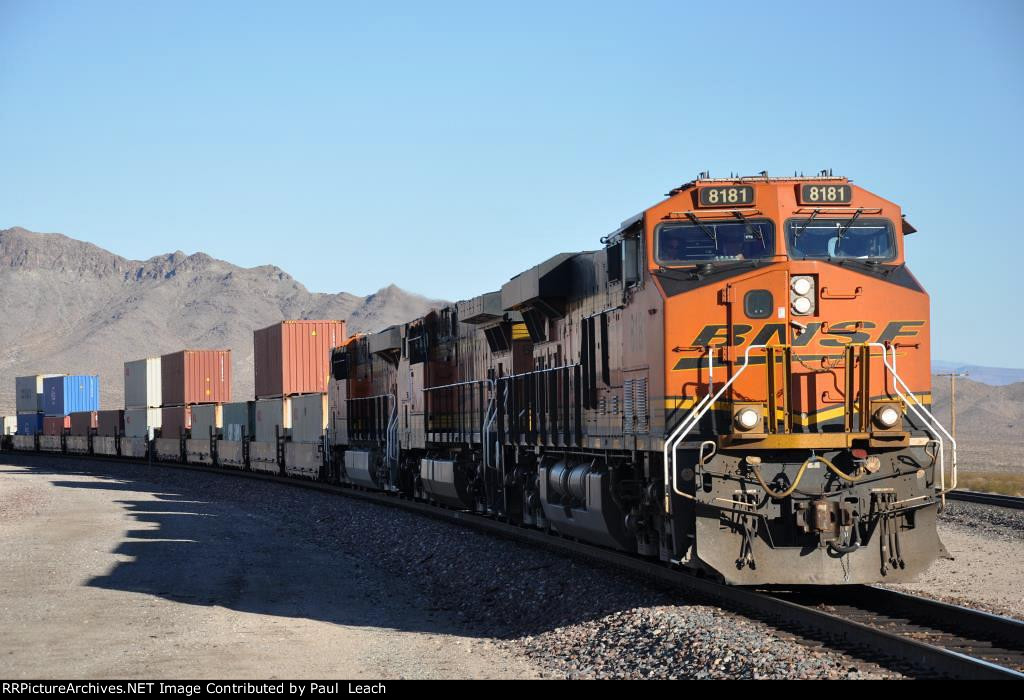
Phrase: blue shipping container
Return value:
(76, 392)
(30, 423)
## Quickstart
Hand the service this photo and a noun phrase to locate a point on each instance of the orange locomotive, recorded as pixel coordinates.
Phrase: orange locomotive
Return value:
(737, 383)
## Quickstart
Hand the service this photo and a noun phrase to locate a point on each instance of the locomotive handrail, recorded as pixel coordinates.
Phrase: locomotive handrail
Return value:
(690, 421)
(391, 436)
(910, 399)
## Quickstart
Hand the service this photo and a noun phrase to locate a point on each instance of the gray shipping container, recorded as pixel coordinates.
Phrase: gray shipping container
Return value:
(29, 392)
(142, 383)
(237, 418)
(309, 417)
(141, 422)
(268, 414)
(206, 417)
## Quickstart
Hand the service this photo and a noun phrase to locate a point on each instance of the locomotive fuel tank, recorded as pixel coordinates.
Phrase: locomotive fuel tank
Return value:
(577, 501)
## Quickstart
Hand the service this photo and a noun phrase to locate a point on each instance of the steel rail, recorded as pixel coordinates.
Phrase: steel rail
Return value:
(989, 499)
(808, 619)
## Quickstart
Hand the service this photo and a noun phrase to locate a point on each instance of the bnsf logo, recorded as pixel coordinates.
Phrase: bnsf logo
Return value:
(838, 335)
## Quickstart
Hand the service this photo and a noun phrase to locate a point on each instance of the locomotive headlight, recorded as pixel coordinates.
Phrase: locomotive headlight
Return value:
(747, 418)
(801, 295)
(801, 285)
(801, 305)
(887, 416)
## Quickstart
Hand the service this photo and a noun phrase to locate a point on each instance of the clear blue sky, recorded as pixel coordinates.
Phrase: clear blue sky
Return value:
(447, 146)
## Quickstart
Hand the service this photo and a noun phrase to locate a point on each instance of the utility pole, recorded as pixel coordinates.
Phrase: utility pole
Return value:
(952, 399)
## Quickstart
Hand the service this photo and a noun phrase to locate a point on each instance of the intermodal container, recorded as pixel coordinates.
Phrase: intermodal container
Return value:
(174, 421)
(238, 420)
(65, 395)
(56, 425)
(206, 417)
(195, 376)
(141, 422)
(29, 393)
(30, 423)
(269, 417)
(309, 417)
(294, 357)
(142, 382)
(110, 423)
(10, 424)
(83, 422)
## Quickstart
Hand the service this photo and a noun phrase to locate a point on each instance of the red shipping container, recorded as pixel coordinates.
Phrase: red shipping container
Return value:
(82, 422)
(294, 357)
(110, 423)
(174, 421)
(195, 376)
(56, 425)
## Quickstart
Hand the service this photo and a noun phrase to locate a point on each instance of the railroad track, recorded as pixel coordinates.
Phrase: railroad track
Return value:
(989, 499)
(916, 635)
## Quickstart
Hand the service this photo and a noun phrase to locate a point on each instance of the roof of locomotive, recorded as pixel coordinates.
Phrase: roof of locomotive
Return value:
(704, 179)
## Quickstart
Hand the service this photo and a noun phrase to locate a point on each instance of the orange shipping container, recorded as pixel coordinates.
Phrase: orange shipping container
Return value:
(83, 421)
(294, 357)
(195, 376)
(110, 423)
(56, 425)
(174, 421)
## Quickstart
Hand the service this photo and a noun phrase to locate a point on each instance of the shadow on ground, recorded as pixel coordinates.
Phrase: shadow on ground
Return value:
(260, 547)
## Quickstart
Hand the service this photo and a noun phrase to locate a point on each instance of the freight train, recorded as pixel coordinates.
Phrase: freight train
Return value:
(736, 383)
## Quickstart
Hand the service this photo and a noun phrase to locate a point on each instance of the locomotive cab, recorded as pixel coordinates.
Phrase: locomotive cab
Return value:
(799, 445)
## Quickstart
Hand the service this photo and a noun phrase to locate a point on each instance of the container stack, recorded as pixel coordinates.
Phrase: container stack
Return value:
(63, 396)
(292, 366)
(29, 403)
(109, 428)
(142, 398)
(193, 385)
(189, 378)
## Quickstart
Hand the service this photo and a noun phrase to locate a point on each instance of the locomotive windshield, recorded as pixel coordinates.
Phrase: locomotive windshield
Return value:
(701, 241)
(844, 239)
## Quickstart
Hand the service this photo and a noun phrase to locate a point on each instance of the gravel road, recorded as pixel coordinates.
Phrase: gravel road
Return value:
(140, 571)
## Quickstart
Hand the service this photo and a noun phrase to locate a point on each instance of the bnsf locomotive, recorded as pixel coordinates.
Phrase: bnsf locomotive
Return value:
(737, 383)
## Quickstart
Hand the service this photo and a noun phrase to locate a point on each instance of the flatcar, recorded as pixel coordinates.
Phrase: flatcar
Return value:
(736, 383)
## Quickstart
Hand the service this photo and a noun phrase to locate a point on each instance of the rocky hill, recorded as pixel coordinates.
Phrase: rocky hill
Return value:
(989, 422)
(70, 306)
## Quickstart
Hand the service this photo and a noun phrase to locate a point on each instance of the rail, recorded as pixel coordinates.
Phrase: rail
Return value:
(988, 499)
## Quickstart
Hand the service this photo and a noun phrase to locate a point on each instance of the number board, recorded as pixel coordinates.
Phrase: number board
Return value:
(826, 194)
(727, 196)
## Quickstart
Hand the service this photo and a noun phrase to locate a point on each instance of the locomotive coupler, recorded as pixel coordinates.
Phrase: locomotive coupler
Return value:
(832, 521)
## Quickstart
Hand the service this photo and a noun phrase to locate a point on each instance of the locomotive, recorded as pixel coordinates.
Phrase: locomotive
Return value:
(737, 383)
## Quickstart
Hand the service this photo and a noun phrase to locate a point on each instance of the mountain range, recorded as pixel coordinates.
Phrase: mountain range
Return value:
(71, 307)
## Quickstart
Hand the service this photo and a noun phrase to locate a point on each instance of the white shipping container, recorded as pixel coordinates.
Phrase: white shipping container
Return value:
(268, 415)
(29, 392)
(142, 383)
(141, 422)
(10, 425)
(309, 417)
(206, 416)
